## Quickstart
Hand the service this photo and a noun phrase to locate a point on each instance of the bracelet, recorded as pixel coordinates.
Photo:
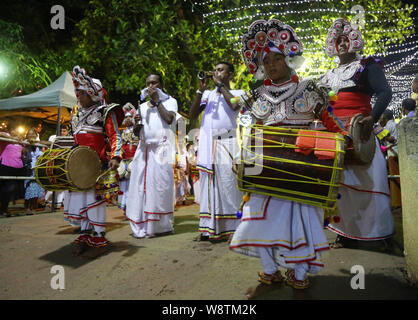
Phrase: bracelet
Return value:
(199, 92)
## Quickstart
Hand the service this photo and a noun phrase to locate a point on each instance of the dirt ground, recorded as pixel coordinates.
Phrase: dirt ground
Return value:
(173, 267)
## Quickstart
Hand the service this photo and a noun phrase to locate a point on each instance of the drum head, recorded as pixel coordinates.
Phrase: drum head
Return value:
(83, 167)
(363, 151)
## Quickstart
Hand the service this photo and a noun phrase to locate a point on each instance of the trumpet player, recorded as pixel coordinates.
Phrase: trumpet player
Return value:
(150, 199)
(219, 197)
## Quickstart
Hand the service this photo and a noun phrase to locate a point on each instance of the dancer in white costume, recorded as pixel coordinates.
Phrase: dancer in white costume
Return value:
(150, 202)
(219, 195)
(91, 124)
(129, 145)
(193, 173)
(281, 232)
(182, 184)
(364, 206)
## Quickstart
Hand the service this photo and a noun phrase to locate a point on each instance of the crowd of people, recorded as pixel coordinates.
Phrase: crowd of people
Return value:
(158, 168)
(18, 158)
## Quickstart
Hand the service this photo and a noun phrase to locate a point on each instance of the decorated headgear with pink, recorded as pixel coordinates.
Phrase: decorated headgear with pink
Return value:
(343, 27)
(129, 110)
(92, 86)
(263, 37)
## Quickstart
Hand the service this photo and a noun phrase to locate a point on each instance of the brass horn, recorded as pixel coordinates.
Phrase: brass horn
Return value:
(202, 75)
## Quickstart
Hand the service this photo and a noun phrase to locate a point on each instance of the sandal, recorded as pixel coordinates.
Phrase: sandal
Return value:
(270, 278)
(294, 283)
(343, 242)
(201, 237)
(338, 243)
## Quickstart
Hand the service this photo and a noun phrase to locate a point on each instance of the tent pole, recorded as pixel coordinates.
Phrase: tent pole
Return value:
(58, 133)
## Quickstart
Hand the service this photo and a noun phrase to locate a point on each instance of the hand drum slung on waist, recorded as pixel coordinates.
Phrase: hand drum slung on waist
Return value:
(361, 152)
(68, 169)
(83, 167)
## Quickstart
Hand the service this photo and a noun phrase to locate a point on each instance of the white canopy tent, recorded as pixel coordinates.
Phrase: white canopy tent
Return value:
(48, 104)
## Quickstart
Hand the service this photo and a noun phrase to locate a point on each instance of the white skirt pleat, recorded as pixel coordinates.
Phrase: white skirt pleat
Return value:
(364, 206)
(150, 199)
(219, 194)
(293, 231)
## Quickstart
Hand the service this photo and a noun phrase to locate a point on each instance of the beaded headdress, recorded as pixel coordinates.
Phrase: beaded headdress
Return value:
(265, 36)
(343, 27)
(92, 86)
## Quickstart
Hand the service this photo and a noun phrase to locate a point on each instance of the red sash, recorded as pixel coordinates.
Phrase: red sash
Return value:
(95, 141)
(351, 103)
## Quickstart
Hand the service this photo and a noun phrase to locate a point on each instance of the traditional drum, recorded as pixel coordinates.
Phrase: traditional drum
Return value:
(294, 164)
(68, 169)
(359, 152)
(65, 142)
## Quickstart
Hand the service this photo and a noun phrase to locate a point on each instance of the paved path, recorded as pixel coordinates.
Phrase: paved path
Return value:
(172, 267)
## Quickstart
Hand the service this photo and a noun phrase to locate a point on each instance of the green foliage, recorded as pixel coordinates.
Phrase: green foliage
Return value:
(387, 22)
(123, 41)
(12, 54)
(24, 70)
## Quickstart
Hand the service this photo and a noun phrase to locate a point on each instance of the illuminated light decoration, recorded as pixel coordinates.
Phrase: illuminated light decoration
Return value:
(313, 38)
(365, 33)
(304, 21)
(260, 5)
(284, 13)
(391, 70)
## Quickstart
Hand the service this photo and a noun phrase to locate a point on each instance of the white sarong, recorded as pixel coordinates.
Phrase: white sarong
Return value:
(291, 232)
(124, 188)
(364, 206)
(219, 194)
(150, 199)
(85, 210)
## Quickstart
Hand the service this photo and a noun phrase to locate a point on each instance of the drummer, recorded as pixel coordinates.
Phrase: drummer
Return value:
(91, 124)
(364, 206)
(281, 232)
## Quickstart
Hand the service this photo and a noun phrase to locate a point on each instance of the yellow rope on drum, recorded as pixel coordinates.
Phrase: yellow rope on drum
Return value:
(305, 179)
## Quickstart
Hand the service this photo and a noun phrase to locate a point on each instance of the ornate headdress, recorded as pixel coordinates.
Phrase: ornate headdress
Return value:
(128, 109)
(92, 86)
(272, 35)
(343, 27)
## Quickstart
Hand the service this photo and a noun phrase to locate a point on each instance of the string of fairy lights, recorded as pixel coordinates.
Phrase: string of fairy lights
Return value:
(299, 12)
(400, 49)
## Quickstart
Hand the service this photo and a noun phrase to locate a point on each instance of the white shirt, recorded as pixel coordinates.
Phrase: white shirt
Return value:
(217, 118)
(218, 114)
(156, 130)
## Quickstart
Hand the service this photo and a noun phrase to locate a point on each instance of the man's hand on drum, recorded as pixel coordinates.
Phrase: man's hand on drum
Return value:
(367, 124)
(114, 164)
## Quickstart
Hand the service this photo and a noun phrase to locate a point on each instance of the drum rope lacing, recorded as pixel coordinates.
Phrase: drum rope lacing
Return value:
(276, 131)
